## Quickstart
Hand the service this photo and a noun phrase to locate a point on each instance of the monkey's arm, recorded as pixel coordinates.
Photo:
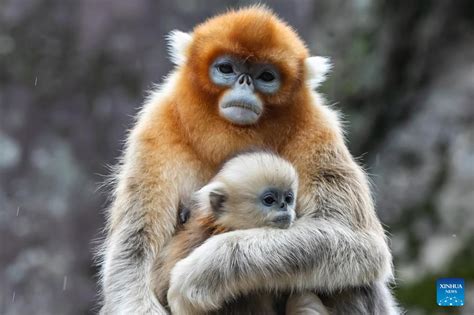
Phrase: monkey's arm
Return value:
(339, 243)
(312, 254)
(141, 221)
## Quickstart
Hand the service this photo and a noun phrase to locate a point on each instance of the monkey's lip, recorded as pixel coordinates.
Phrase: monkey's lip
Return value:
(283, 221)
(246, 106)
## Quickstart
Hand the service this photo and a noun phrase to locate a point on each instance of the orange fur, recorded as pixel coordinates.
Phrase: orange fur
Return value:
(253, 33)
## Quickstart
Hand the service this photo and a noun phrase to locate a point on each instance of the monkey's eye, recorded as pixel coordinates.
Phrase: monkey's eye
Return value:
(225, 68)
(266, 76)
(269, 200)
(289, 200)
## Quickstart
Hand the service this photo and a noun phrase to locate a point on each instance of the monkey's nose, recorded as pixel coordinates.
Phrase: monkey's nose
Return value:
(245, 79)
(282, 207)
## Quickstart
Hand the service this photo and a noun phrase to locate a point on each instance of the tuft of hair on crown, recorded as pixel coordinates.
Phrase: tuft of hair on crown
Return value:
(256, 169)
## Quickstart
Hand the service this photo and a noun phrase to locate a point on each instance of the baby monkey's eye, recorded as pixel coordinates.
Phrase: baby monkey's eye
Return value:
(267, 76)
(269, 200)
(289, 198)
(225, 68)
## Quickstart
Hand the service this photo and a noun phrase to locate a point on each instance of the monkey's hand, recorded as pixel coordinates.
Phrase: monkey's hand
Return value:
(195, 286)
(313, 254)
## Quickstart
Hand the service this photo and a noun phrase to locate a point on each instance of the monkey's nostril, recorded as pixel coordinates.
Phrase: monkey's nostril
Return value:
(248, 80)
(282, 205)
(241, 80)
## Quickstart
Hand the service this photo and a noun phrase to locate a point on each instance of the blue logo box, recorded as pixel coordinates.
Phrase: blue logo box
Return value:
(450, 292)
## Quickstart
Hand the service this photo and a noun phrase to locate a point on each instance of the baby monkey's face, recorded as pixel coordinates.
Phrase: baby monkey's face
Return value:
(266, 207)
(277, 207)
(252, 190)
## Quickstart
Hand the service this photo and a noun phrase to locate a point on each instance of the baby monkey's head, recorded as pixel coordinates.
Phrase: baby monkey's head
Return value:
(252, 190)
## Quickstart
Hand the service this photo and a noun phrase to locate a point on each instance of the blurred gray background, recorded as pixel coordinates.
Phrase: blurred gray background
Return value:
(73, 73)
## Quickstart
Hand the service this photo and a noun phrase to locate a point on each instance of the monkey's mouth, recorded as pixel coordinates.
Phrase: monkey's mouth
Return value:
(283, 221)
(246, 106)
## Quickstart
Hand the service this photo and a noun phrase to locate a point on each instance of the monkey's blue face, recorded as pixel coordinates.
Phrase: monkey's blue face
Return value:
(241, 104)
(279, 206)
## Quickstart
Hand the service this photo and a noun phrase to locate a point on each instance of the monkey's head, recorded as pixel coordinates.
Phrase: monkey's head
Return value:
(252, 190)
(244, 65)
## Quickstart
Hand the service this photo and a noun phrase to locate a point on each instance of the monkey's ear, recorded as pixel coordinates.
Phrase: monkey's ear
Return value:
(217, 197)
(178, 43)
(316, 70)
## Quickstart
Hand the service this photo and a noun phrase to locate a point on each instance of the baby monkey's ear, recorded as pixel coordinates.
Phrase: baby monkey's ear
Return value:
(316, 70)
(217, 198)
(212, 197)
(178, 44)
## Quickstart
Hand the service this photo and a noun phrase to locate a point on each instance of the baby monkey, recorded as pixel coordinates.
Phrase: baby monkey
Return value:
(252, 190)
